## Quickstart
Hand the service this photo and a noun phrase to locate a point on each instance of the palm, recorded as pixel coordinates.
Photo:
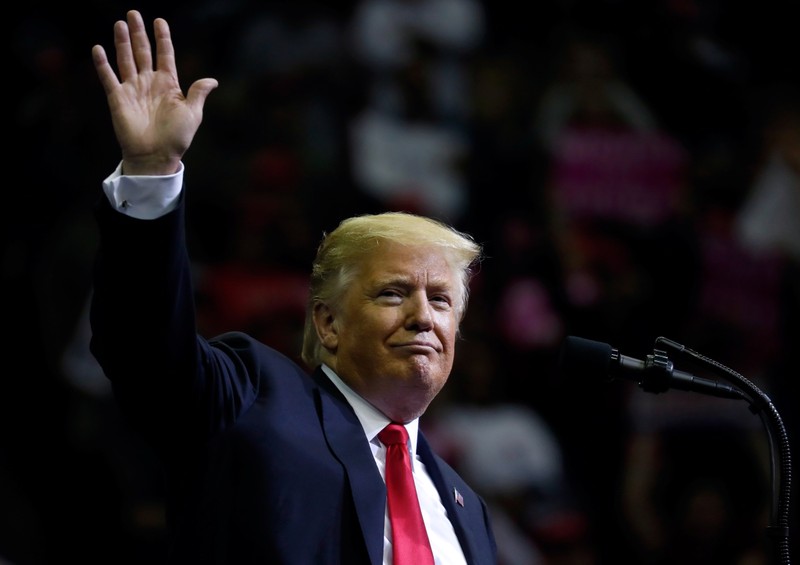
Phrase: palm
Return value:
(151, 116)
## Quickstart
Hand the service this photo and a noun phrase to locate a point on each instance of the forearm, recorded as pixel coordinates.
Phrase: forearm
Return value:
(142, 306)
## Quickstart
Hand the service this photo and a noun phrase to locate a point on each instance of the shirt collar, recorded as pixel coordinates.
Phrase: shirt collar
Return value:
(372, 420)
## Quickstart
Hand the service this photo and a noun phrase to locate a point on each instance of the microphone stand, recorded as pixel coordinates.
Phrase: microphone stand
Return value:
(780, 456)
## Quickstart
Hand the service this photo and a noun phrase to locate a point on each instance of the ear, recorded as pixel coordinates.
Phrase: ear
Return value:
(325, 323)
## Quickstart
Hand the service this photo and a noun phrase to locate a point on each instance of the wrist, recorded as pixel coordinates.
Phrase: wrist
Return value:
(150, 166)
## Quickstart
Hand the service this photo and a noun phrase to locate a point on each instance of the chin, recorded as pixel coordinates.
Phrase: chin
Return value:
(421, 369)
(428, 380)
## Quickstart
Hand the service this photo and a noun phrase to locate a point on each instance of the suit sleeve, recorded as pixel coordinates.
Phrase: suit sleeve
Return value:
(171, 383)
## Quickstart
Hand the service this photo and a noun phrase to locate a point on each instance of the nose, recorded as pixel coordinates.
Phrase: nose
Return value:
(418, 313)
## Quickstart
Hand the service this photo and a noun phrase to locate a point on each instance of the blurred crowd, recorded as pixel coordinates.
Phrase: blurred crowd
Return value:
(632, 168)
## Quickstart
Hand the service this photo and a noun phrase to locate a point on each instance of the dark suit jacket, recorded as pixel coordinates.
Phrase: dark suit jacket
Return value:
(265, 464)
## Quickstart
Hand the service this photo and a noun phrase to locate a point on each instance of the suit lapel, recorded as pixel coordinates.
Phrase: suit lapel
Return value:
(457, 514)
(346, 439)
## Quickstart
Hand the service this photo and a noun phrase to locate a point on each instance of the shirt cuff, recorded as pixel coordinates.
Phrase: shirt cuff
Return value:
(145, 197)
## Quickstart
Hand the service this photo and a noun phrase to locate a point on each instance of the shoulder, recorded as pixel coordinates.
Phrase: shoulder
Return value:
(255, 354)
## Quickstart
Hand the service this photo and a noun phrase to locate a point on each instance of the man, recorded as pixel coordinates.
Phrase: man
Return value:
(264, 462)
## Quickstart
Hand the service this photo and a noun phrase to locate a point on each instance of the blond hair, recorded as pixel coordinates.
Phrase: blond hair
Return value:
(341, 252)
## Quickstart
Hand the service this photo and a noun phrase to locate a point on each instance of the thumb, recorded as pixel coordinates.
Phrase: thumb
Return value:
(199, 91)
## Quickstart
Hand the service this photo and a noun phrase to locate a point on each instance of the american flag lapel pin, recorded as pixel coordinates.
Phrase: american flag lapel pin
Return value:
(457, 497)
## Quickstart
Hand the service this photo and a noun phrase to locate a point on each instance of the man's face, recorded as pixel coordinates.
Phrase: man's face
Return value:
(393, 335)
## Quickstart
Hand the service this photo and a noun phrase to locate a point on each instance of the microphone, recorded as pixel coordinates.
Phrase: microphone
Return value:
(581, 358)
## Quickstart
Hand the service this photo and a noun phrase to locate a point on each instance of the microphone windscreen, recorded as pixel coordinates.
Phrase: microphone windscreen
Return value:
(584, 359)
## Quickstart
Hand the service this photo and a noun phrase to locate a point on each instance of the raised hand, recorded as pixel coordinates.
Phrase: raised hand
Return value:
(153, 121)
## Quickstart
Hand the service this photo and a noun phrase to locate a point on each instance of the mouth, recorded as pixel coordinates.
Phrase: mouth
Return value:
(419, 347)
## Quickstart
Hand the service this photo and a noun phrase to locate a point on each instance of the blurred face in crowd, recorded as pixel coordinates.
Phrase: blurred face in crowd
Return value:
(392, 335)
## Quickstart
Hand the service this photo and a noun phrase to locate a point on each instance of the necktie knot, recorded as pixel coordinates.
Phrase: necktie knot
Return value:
(393, 434)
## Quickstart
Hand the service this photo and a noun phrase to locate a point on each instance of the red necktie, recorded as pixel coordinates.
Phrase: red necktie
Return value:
(410, 544)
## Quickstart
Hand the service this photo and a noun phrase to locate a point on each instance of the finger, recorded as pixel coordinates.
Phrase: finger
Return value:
(122, 44)
(140, 43)
(104, 71)
(165, 52)
(199, 91)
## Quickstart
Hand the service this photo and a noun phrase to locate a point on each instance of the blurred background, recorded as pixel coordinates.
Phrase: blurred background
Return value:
(632, 168)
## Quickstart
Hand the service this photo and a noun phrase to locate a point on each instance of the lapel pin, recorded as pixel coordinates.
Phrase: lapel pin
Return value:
(458, 498)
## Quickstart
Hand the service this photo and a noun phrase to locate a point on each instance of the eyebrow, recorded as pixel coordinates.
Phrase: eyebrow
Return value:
(405, 281)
